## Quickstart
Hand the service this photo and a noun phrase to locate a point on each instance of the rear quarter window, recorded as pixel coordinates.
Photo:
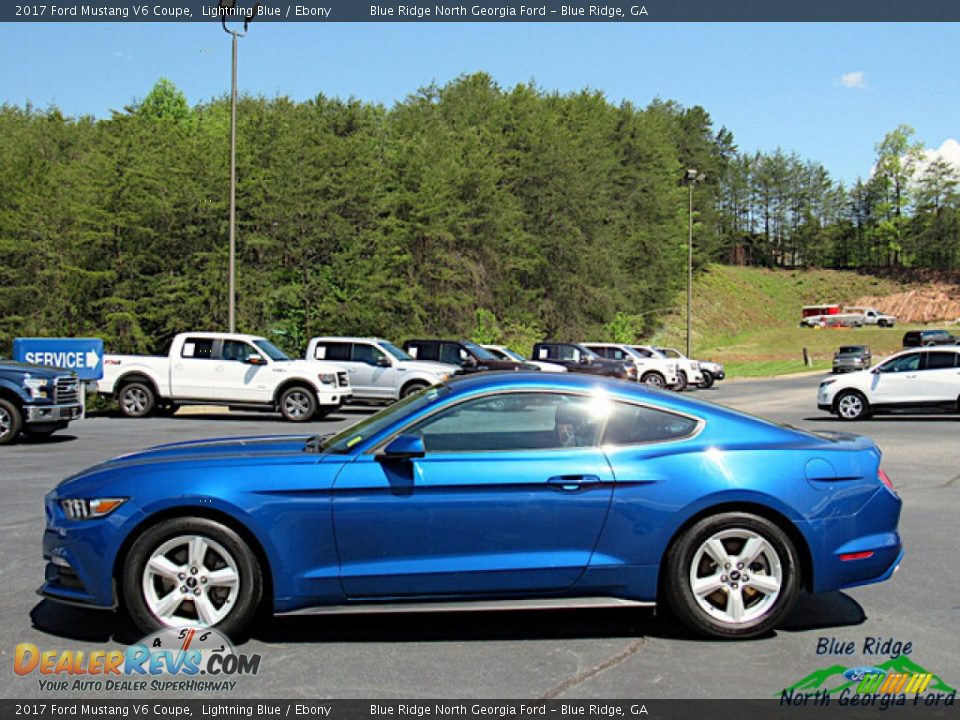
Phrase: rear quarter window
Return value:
(638, 424)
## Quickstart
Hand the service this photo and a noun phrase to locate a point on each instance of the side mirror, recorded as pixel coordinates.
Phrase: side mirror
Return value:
(255, 360)
(469, 361)
(383, 361)
(405, 447)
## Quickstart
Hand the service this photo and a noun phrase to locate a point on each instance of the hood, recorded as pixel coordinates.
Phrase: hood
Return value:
(312, 366)
(235, 449)
(428, 366)
(41, 371)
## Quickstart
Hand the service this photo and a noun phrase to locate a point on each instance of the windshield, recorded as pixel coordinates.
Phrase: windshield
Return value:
(272, 351)
(342, 442)
(394, 350)
(513, 355)
(850, 350)
(479, 352)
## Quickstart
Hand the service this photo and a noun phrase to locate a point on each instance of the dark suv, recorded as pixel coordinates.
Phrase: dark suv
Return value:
(918, 338)
(468, 355)
(36, 399)
(577, 358)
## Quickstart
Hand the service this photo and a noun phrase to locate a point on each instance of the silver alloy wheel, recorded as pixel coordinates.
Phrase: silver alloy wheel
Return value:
(736, 576)
(654, 379)
(6, 422)
(850, 406)
(190, 580)
(134, 401)
(296, 404)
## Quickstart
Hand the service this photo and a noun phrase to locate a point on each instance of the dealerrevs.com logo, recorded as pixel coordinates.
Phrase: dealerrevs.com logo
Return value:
(173, 660)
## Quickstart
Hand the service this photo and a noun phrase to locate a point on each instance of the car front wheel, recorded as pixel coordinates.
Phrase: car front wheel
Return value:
(707, 381)
(654, 379)
(191, 571)
(733, 575)
(10, 421)
(852, 405)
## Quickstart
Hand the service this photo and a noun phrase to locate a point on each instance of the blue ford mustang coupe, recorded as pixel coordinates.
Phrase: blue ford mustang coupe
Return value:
(493, 490)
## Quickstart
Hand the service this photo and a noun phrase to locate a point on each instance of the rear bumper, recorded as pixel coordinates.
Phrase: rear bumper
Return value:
(51, 413)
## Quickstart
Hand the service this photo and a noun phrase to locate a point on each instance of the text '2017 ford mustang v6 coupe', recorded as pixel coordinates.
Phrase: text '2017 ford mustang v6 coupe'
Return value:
(498, 489)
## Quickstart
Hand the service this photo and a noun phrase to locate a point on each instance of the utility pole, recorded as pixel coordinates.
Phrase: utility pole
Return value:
(692, 177)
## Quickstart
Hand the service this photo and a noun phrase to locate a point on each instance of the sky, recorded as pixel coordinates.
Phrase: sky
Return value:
(826, 91)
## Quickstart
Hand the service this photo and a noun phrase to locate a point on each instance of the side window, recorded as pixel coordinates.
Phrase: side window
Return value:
(546, 352)
(236, 351)
(603, 352)
(423, 351)
(568, 352)
(452, 354)
(332, 351)
(515, 421)
(362, 352)
(904, 363)
(636, 424)
(197, 348)
(941, 360)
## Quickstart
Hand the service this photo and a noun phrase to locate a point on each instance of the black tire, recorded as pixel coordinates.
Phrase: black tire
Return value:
(245, 601)
(654, 379)
(10, 421)
(707, 381)
(851, 405)
(881, 323)
(136, 400)
(39, 433)
(682, 381)
(678, 569)
(298, 403)
(411, 387)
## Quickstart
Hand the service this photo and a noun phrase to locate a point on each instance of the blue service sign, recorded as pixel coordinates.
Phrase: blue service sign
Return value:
(82, 355)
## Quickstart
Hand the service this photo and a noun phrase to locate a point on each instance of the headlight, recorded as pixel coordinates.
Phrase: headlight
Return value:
(327, 378)
(85, 509)
(828, 382)
(37, 387)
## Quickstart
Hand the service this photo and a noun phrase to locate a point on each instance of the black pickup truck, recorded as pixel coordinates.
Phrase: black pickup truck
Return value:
(468, 355)
(36, 400)
(580, 359)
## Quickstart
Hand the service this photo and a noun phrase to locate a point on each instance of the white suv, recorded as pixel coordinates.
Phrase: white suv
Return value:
(652, 367)
(923, 378)
(378, 369)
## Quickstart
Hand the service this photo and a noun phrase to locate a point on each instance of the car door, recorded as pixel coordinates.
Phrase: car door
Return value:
(510, 497)
(897, 382)
(237, 379)
(191, 374)
(940, 377)
(366, 372)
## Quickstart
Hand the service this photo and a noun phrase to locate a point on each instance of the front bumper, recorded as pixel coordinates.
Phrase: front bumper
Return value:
(51, 413)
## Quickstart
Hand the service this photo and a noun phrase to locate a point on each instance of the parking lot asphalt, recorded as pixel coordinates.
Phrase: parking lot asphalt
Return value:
(616, 653)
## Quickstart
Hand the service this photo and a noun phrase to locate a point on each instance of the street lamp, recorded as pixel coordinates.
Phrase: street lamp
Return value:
(226, 10)
(691, 178)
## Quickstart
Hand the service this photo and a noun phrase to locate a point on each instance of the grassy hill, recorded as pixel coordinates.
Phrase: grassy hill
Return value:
(748, 318)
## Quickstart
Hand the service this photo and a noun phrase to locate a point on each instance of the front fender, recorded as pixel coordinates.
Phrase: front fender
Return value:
(14, 389)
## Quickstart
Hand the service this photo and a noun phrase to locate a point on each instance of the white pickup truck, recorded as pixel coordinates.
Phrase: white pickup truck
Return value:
(378, 369)
(229, 369)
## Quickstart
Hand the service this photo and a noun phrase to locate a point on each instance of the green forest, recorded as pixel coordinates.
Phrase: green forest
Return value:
(466, 209)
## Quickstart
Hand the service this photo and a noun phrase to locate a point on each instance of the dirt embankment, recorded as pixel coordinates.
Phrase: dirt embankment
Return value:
(931, 303)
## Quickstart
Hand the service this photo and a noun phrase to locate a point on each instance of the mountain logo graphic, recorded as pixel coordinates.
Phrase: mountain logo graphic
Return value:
(897, 675)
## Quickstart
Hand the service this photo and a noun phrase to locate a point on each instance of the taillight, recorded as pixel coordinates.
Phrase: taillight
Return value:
(885, 479)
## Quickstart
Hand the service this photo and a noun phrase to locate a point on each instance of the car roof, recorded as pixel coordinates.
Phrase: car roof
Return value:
(345, 338)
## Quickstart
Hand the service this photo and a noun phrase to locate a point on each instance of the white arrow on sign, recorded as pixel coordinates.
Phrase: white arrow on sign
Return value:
(92, 359)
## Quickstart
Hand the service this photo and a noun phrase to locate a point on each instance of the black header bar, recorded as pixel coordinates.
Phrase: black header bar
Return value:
(495, 11)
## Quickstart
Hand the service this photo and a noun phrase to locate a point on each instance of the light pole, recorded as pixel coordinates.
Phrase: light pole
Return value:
(226, 10)
(691, 178)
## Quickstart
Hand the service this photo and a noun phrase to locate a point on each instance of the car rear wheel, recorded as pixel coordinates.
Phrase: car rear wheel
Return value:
(10, 421)
(733, 575)
(136, 400)
(654, 379)
(851, 405)
(682, 381)
(298, 404)
(707, 381)
(191, 571)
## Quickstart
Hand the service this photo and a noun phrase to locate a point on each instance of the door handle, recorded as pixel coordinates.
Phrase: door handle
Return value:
(572, 482)
(912, 376)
